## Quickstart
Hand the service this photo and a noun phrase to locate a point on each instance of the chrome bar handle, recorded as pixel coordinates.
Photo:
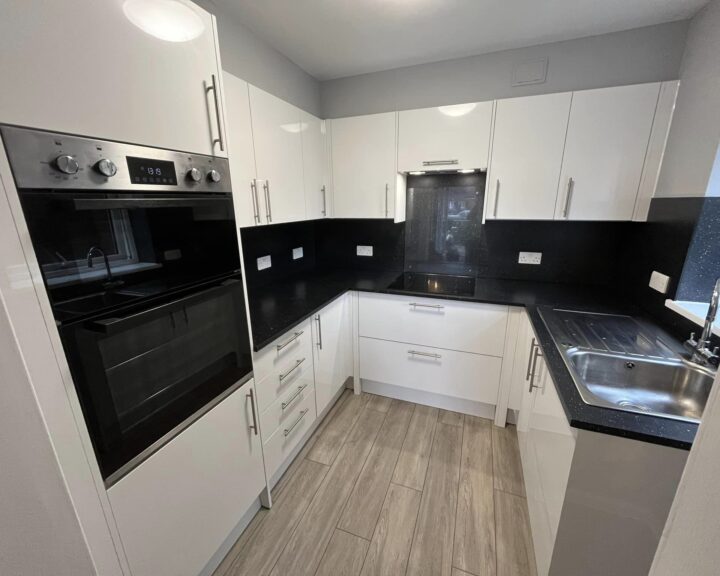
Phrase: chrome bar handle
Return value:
(268, 206)
(220, 139)
(254, 426)
(427, 354)
(536, 354)
(568, 196)
(253, 194)
(433, 306)
(292, 399)
(319, 325)
(294, 337)
(292, 426)
(324, 193)
(497, 196)
(291, 370)
(387, 186)
(440, 162)
(530, 359)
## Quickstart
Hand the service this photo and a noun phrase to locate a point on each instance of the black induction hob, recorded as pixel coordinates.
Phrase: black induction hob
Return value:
(435, 284)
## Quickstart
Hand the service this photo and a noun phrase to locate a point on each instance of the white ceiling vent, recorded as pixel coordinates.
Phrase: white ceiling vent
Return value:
(530, 72)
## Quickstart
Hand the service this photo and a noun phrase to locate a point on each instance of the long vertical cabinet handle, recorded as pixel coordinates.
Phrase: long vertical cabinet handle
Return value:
(324, 193)
(256, 207)
(497, 197)
(535, 355)
(254, 426)
(319, 326)
(268, 206)
(220, 139)
(530, 359)
(568, 197)
(387, 186)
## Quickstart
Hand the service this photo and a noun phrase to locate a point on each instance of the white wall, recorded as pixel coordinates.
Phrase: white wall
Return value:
(245, 55)
(695, 132)
(647, 54)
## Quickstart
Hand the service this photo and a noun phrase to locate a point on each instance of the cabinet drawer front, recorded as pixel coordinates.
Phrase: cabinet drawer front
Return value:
(294, 371)
(456, 374)
(449, 324)
(283, 410)
(295, 425)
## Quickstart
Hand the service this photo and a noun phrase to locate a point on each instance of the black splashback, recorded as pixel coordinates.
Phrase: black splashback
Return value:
(702, 265)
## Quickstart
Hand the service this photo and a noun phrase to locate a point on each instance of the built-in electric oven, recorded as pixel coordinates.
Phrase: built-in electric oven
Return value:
(139, 255)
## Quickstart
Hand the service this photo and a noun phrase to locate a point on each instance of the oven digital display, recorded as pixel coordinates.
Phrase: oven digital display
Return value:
(151, 171)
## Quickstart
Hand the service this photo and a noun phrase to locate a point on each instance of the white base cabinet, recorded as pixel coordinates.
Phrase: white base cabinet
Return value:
(176, 509)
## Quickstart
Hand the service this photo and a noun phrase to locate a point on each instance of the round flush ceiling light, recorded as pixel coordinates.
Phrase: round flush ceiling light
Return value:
(169, 20)
(457, 109)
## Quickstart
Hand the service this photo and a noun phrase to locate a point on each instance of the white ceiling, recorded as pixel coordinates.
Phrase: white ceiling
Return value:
(336, 38)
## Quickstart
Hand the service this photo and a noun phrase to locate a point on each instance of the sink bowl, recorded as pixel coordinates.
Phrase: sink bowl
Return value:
(663, 387)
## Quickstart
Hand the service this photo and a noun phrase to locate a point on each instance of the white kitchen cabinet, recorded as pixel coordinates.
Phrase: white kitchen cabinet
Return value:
(176, 509)
(444, 137)
(364, 157)
(527, 154)
(277, 133)
(86, 69)
(315, 167)
(607, 140)
(332, 338)
(241, 150)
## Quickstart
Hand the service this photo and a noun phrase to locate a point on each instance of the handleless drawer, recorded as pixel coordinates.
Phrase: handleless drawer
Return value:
(450, 324)
(295, 425)
(282, 411)
(447, 372)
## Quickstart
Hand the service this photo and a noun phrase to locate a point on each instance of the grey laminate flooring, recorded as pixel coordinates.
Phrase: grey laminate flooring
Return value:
(390, 488)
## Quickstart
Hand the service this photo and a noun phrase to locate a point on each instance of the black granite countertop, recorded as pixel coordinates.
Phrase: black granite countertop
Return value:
(278, 307)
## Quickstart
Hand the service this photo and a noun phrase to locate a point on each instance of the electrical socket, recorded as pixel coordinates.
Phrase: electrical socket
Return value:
(297, 253)
(364, 250)
(264, 262)
(534, 258)
(659, 282)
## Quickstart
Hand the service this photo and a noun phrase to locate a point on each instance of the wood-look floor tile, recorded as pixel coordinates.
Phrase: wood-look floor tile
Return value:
(379, 403)
(344, 555)
(457, 572)
(307, 544)
(391, 541)
(246, 537)
(432, 547)
(264, 545)
(413, 461)
(366, 500)
(448, 417)
(515, 556)
(328, 442)
(474, 549)
(506, 461)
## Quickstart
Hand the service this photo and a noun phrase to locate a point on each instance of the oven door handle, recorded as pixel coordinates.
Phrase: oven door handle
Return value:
(148, 202)
(117, 324)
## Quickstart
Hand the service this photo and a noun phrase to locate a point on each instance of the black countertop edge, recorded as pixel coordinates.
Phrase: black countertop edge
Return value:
(283, 306)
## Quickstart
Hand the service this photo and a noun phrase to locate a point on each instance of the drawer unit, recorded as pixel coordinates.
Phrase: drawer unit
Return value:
(450, 373)
(448, 324)
(282, 411)
(278, 447)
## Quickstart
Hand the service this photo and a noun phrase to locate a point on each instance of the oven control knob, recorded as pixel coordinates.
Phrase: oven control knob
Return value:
(194, 175)
(106, 167)
(67, 164)
(214, 176)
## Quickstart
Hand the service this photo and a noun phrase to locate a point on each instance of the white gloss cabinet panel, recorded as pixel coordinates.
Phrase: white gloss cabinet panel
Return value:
(444, 137)
(277, 133)
(527, 154)
(314, 145)
(448, 324)
(176, 509)
(364, 158)
(86, 69)
(605, 149)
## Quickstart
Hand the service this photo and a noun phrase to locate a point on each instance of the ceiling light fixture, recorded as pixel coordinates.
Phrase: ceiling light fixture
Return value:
(416, 173)
(169, 20)
(470, 171)
(457, 109)
(295, 127)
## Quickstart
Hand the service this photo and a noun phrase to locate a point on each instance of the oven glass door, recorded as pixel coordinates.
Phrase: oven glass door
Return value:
(142, 373)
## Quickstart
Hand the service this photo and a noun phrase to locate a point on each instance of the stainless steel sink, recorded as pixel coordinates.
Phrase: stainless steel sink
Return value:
(624, 363)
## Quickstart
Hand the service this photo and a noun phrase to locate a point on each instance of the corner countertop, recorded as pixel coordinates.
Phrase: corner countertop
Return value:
(278, 307)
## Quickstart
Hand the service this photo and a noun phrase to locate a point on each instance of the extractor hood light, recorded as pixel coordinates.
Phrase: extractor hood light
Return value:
(416, 173)
(457, 109)
(169, 20)
(295, 127)
(466, 171)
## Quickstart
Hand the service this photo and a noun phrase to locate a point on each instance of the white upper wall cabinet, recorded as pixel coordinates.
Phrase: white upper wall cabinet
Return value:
(315, 152)
(527, 153)
(364, 158)
(605, 149)
(241, 151)
(277, 133)
(84, 68)
(444, 137)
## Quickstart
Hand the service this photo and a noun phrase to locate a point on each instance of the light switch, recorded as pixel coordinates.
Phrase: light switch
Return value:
(659, 282)
(264, 262)
(297, 253)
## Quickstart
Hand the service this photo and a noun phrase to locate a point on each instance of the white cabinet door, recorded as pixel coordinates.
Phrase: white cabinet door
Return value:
(605, 149)
(241, 151)
(444, 137)
(277, 132)
(527, 153)
(87, 69)
(364, 155)
(175, 510)
(332, 336)
(314, 147)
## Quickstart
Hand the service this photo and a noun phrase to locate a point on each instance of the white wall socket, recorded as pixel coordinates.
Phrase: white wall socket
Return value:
(659, 282)
(297, 253)
(529, 258)
(364, 250)
(264, 262)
